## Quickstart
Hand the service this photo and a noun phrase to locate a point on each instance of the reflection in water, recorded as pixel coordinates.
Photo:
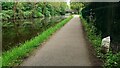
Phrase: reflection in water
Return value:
(15, 33)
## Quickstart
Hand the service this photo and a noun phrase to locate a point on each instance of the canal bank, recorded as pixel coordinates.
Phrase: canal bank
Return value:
(16, 32)
(12, 57)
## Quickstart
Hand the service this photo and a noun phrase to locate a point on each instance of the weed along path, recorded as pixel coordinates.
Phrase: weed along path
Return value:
(67, 47)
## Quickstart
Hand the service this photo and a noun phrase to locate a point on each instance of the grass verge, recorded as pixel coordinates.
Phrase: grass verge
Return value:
(110, 60)
(10, 58)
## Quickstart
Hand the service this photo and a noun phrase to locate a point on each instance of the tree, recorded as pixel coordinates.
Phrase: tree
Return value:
(77, 6)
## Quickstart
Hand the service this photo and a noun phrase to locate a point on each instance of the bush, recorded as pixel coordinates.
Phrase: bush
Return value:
(7, 14)
(37, 14)
(110, 60)
(27, 14)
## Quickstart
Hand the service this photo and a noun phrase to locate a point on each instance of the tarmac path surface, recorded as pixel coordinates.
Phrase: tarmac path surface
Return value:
(67, 47)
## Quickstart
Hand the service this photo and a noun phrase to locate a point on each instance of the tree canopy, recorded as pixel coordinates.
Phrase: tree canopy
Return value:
(19, 10)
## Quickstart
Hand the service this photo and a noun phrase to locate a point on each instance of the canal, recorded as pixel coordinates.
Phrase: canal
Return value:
(17, 32)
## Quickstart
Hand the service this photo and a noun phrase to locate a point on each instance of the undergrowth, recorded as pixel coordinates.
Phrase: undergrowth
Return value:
(110, 60)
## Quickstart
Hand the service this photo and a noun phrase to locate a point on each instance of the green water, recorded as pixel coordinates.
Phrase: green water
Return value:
(16, 32)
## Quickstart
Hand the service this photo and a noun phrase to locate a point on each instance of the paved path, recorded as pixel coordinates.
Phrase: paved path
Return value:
(67, 47)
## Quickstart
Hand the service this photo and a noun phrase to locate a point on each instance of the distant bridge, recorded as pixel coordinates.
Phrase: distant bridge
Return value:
(71, 11)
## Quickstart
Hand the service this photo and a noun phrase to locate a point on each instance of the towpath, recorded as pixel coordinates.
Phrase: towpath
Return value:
(67, 47)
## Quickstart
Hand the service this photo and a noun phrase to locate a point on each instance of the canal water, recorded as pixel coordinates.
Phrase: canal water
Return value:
(17, 32)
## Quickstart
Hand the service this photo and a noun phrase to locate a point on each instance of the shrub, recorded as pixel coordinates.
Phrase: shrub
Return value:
(37, 14)
(110, 60)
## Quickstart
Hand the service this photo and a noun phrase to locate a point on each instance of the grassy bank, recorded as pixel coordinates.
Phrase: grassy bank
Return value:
(12, 57)
(110, 60)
